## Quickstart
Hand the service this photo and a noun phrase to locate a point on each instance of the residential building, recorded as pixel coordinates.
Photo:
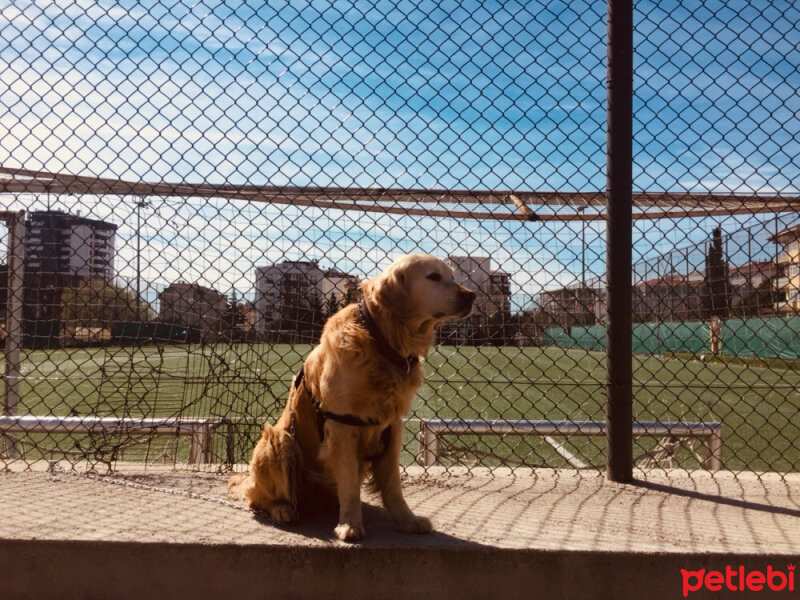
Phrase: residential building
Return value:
(247, 318)
(491, 310)
(746, 282)
(571, 305)
(58, 243)
(283, 289)
(499, 292)
(473, 272)
(339, 288)
(290, 293)
(750, 276)
(62, 251)
(672, 297)
(200, 308)
(789, 262)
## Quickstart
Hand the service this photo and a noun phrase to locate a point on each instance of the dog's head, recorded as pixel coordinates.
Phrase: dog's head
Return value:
(419, 286)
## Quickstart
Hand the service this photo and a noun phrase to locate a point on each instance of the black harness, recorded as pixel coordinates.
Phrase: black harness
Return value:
(346, 419)
(402, 364)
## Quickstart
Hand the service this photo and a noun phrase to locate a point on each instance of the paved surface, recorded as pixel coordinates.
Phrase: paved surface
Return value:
(541, 509)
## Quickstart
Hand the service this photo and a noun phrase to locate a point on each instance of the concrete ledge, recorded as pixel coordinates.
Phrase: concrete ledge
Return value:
(69, 569)
(500, 533)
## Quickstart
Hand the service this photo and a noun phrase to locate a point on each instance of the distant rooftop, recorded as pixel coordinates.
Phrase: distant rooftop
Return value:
(68, 218)
(787, 235)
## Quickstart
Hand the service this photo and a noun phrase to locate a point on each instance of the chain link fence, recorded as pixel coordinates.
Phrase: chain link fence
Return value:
(191, 189)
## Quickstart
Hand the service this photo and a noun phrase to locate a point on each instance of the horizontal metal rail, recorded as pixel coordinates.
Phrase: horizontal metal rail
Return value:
(391, 200)
(198, 429)
(431, 429)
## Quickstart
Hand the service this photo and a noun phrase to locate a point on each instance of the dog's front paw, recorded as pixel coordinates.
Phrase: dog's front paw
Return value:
(281, 513)
(349, 533)
(415, 525)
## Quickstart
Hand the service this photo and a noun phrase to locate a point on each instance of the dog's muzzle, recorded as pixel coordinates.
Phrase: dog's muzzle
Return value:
(465, 300)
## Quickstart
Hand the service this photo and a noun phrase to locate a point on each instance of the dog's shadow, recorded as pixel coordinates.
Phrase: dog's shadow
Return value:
(318, 523)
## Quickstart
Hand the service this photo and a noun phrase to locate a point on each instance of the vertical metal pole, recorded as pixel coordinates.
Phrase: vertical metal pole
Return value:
(230, 449)
(712, 460)
(14, 303)
(428, 445)
(776, 291)
(619, 191)
(16, 264)
(581, 210)
(139, 204)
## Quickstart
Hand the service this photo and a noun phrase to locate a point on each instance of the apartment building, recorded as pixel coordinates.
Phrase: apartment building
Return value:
(283, 287)
(789, 261)
(200, 308)
(492, 304)
(59, 243)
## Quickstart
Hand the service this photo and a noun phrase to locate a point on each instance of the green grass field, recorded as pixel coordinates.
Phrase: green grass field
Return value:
(757, 403)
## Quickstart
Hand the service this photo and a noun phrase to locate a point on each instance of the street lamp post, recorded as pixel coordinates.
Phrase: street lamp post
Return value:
(581, 210)
(140, 204)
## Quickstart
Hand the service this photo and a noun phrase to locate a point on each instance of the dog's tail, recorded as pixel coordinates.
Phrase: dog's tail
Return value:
(235, 487)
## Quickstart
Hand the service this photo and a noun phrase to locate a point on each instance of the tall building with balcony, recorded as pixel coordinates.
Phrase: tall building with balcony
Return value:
(61, 251)
(295, 295)
(499, 292)
(492, 288)
(62, 244)
(492, 305)
(285, 287)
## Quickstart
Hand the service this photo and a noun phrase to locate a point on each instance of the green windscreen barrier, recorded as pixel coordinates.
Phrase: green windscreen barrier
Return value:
(773, 337)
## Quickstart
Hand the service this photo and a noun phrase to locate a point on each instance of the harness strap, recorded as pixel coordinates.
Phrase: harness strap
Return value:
(292, 465)
(404, 364)
(346, 419)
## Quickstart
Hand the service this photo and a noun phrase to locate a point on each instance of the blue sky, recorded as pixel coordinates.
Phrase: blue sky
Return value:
(471, 95)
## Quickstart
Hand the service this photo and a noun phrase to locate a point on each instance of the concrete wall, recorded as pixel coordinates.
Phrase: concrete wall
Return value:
(71, 569)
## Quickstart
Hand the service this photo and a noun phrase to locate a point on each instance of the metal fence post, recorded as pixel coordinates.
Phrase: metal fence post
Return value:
(16, 264)
(712, 459)
(200, 446)
(619, 191)
(428, 445)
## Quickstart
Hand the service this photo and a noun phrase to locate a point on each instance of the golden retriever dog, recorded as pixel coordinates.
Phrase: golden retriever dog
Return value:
(343, 419)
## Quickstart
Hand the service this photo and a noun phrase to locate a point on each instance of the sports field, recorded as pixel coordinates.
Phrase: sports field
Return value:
(247, 383)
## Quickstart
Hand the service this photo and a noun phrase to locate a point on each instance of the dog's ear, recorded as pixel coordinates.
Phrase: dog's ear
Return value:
(389, 291)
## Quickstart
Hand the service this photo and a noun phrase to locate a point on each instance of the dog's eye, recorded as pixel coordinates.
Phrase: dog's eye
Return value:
(435, 277)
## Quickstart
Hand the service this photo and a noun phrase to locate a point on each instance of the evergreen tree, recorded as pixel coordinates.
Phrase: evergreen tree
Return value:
(716, 299)
(332, 307)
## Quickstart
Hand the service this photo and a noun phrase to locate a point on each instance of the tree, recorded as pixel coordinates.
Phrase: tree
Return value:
(96, 301)
(716, 300)
(234, 319)
(302, 312)
(760, 301)
(332, 307)
(316, 316)
(352, 293)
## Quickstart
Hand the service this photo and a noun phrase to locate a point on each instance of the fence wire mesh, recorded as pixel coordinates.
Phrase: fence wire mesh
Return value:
(204, 184)
(716, 91)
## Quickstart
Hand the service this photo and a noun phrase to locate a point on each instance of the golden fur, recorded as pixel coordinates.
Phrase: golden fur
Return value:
(348, 375)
